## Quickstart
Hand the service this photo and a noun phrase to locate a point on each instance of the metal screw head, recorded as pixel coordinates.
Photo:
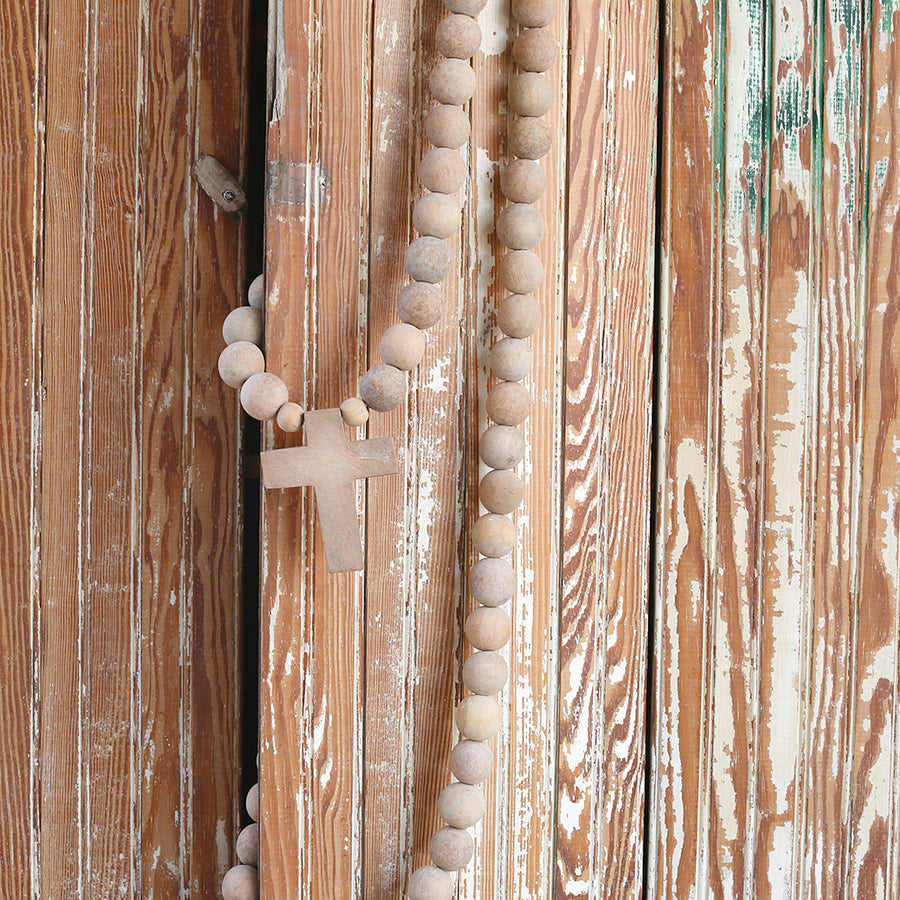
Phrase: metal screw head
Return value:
(229, 196)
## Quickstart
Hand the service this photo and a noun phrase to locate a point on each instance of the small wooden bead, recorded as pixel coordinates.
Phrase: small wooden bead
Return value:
(253, 802)
(430, 883)
(534, 13)
(420, 304)
(523, 181)
(457, 36)
(521, 271)
(428, 259)
(501, 491)
(494, 535)
(471, 761)
(508, 403)
(465, 7)
(488, 628)
(383, 388)
(451, 848)
(492, 581)
(519, 316)
(402, 346)
(436, 215)
(447, 126)
(244, 324)
(442, 170)
(520, 227)
(256, 293)
(478, 718)
(290, 417)
(511, 359)
(452, 81)
(485, 672)
(501, 447)
(241, 883)
(530, 94)
(263, 395)
(530, 138)
(534, 50)
(354, 412)
(461, 805)
(247, 845)
(238, 361)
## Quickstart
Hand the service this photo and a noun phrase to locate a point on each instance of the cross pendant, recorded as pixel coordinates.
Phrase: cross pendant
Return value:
(330, 464)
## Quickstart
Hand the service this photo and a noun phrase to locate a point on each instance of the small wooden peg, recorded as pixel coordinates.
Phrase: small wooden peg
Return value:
(222, 187)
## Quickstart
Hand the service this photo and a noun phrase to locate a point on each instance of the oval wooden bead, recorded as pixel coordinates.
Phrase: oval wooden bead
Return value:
(494, 535)
(263, 395)
(402, 346)
(452, 81)
(430, 883)
(488, 628)
(244, 324)
(466, 7)
(354, 412)
(436, 215)
(447, 126)
(530, 138)
(530, 94)
(533, 13)
(256, 293)
(461, 805)
(519, 316)
(471, 761)
(508, 403)
(253, 802)
(428, 259)
(501, 491)
(420, 304)
(523, 181)
(492, 582)
(241, 883)
(442, 170)
(521, 272)
(290, 417)
(501, 447)
(534, 50)
(457, 36)
(485, 672)
(511, 359)
(383, 388)
(451, 848)
(240, 360)
(520, 227)
(478, 718)
(247, 845)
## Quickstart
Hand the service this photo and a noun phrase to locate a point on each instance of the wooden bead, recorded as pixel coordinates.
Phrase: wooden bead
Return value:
(488, 628)
(501, 447)
(436, 215)
(263, 395)
(520, 227)
(478, 718)
(452, 81)
(442, 170)
(457, 36)
(244, 324)
(253, 802)
(519, 316)
(238, 361)
(383, 388)
(256, 293)
(494, 535)
(534, 50)
(430, 883)
(451, 848)
(290, 417)
(447, 126)
(241, 883)
(465, 7)
(534, 13)
(354, 412)
(485, 672)
(508, 403)
(402, 346)
(511, 359)
(521, 271)
(247, 845)
(420, 304)
(523, 181)
(530, 94)
(501, 491)
(428, 259)
(461, 805)
(471, 761)
(492, 581)
(530, 138)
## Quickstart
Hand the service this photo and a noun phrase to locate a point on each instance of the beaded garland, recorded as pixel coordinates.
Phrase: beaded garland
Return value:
(437, 216)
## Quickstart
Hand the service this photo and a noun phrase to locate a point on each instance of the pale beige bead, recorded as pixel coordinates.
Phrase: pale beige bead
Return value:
(253, 802)
(530, 94)
(355, 413)
(447, 126)
(478, 718)
(247, 845)
(501, 447)
(436, 215)
(511, 359)
(241, 883)
(451, 848)
(402, 346)
(256, 293)
(501, 491)
(471, 761)
(383, 388)
(244, 324)
(488, 628)
(465, 7)
(263, 395)
(530, 138)
(461, 805)
(520, 226)
(457, 36)
(534, 13)
(534, 50)
(238, 361)
(523, 181)
(430, 883)
(494, 535)
(521, 271)
(485, 672)
(420, 304)
(290, 417)
(492, 581)
(519, 316)
(508, 403)
(452, 81)
(442, 170)
(428, 259)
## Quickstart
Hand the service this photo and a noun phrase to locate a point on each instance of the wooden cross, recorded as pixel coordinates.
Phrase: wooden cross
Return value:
(330, 464)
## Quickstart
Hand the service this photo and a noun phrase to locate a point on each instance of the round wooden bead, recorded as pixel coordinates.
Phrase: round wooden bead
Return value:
(534, 13)
(240, 360)
(430, 883)
(451, 848)
(530, 94)
(501, 447)
(244, 324)
(471, 761)
(457, 36)
(436, 215)
(478, 718)
(247, 845)
(492, 582)
(452, 81)
(428, 259)
(263, 395)
(402, 346)
(530, 138)
(519, 316)
(521, 271)
(501, 491)
(241, 883)
(508, 403)
(354, 412)
(523, 181)
(383, 388)
(447, 126)
(290, 417)
(461, 805)
(520, 227)
(256, 293)
(253, 802)
(488, 628)
(419, 304)
(465, 7)
(534, 50)
(511, 359)
(485, 672)
(494, 535)
(442, 170)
